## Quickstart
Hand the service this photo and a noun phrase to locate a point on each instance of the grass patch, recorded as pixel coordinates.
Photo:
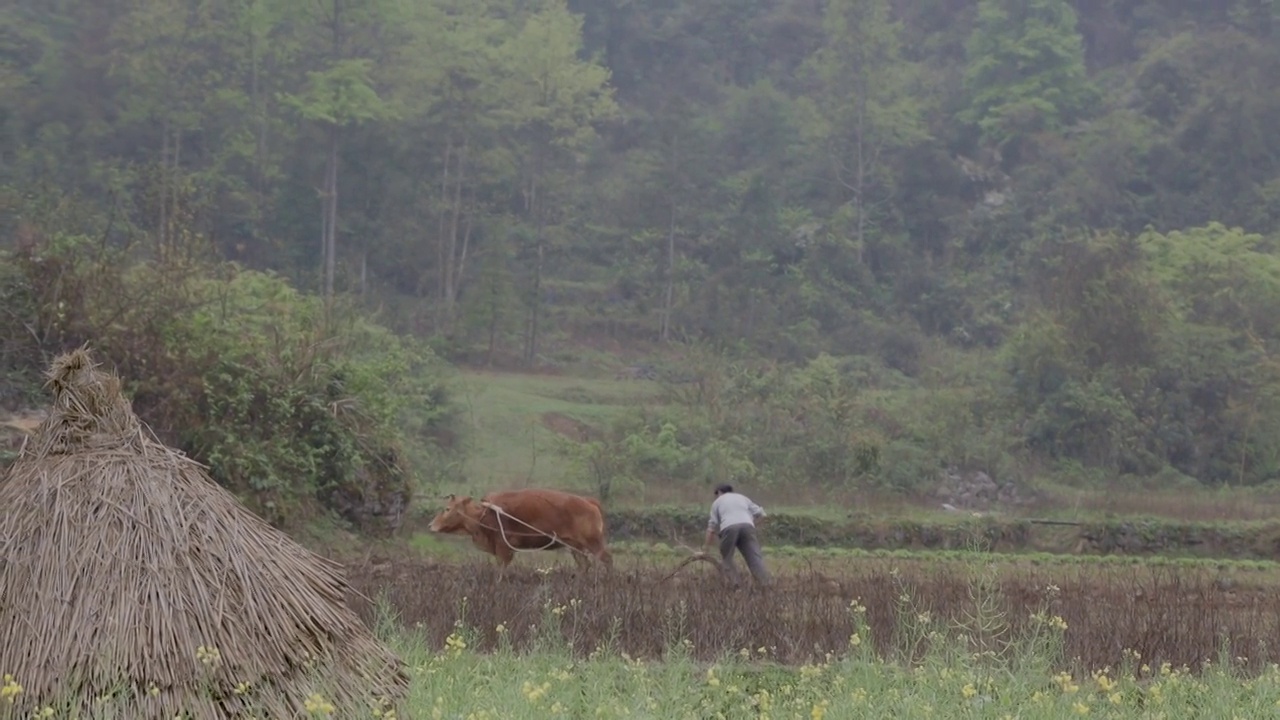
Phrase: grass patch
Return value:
(631, 554)
(440, 547)
(456, 683)
(790, 558)
(1127, 538)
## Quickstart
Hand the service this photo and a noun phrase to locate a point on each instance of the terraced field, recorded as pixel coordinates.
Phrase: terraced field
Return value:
(1175, 614)
(889, 609)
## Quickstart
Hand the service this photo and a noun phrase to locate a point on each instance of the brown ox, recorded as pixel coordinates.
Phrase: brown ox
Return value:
(529, 520)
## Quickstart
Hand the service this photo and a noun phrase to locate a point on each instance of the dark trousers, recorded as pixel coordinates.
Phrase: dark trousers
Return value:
(743, 538)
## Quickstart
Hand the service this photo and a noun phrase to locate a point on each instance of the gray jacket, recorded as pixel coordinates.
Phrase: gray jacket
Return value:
(733, 509)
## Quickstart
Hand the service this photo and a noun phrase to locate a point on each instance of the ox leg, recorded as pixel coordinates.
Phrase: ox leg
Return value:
(599, 552)
(504, 555)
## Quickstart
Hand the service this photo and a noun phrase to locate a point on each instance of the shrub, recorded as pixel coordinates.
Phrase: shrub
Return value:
(288, 401)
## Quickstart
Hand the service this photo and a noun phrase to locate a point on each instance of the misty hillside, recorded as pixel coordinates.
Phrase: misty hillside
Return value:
(1033, 236)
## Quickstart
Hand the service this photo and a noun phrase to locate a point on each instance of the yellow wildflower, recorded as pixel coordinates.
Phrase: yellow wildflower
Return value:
(968, 691)
(10, 690)
(762, 700)
(455, 643)
(534, 692)
(1105, 684)
(317, 705)
(208, 654)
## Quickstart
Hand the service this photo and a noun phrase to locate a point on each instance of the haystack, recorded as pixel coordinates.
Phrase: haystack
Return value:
(133, 586)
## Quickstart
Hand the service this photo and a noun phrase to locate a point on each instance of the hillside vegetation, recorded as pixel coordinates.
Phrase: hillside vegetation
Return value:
(865, 245)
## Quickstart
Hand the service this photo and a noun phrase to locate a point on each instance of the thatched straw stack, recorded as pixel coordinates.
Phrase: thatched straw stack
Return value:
(127, 574)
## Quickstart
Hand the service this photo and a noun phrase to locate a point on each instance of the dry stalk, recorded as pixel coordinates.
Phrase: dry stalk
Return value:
(1176, 616)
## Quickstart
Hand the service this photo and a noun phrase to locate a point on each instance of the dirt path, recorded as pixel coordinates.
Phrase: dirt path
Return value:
(573, 429)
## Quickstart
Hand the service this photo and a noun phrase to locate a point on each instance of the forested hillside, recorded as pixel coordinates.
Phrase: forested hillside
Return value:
(1045, 231)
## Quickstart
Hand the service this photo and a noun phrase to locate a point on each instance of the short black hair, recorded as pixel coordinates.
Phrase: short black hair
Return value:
(723, 488)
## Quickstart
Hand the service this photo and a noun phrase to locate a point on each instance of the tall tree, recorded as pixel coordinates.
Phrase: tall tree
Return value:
(1025, 72)
(268, 51)
(865, 107)
(169, 58)
(345, 39)
(449, 82)
(555, 100)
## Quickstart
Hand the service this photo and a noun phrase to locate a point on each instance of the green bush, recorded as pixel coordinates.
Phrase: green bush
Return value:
(290, 403)
(646, 447)
(833, 422)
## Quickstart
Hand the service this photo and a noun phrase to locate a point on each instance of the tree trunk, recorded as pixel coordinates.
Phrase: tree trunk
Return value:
(441, 263)
(462, 256)
(331, 214)
(260, 139)
(534, 205)
(163, 227)
(173, 187)
(671, 276)
(531, 349)
(860, 171)
(495, 297)
(451, 259)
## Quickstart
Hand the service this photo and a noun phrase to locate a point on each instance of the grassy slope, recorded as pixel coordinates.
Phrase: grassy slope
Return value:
(509, 443)
(510, 446)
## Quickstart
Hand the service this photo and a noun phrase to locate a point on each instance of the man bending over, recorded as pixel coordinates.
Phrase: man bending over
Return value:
(734, 515)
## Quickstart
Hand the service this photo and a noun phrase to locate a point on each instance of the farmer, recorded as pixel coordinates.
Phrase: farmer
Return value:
(733, 515)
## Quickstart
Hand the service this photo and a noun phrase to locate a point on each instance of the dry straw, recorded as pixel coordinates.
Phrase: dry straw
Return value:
(133, 586)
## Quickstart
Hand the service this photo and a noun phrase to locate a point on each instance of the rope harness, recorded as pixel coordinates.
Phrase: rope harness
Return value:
(503, 532)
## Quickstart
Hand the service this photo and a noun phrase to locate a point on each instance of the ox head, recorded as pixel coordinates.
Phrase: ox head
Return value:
(457, 511)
